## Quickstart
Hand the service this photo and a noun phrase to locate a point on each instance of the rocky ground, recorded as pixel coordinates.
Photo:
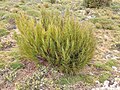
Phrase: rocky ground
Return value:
(102, 73)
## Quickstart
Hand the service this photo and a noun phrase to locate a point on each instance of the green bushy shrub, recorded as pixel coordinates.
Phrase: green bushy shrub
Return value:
(59, 41)
(97, 3)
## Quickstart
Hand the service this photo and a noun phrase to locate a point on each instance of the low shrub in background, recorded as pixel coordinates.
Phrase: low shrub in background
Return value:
(96, 3)
(52, 1)
(59, 41)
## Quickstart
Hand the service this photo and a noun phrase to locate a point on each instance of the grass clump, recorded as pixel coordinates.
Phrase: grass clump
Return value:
(67, 80)
(103, 21)
(24, 7)
(2, 13)
(2, 65)
(106, 66)
(104, 76)
(16, 65)
(3, 32)
(59, 41)
(103, 66)
(115, 6)
(111, 63)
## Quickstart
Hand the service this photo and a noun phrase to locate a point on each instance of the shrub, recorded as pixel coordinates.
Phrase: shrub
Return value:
(52, 1)
(97, 3)
(104, 23)
(59, 41)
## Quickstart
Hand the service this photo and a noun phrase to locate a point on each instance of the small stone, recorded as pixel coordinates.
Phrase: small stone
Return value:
(114, 68)
(14, 10)
(106, 83)
(97, 82)
(114, 85)
(116, 51)
(91, 73)
(89, 17)
(41, 85)
(11, 27)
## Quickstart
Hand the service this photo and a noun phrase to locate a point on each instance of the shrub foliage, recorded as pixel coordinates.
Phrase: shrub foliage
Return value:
(59, 41)
(52, 1)
(97, 3)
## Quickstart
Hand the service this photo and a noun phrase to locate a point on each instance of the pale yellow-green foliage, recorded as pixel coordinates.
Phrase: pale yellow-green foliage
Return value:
(61, 41)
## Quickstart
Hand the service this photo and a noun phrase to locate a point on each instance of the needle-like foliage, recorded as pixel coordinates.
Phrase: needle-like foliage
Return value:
(59, 41)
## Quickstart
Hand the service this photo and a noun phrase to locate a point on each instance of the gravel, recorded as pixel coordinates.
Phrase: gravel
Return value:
(108, 85)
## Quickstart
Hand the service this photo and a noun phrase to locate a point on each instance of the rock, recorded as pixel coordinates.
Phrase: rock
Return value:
(82, 12)
(14, 10)
(98, 84)
(118, 46)
(106, 83)
(106, 37)
(116, 51)
(115, 58)
(114, 68)
(88, 17)
(114, 85)
(3, 17)
(11, 21)
(110, 55)
(91, 73)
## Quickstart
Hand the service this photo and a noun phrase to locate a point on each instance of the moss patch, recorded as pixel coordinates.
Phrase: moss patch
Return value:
(16, 65)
